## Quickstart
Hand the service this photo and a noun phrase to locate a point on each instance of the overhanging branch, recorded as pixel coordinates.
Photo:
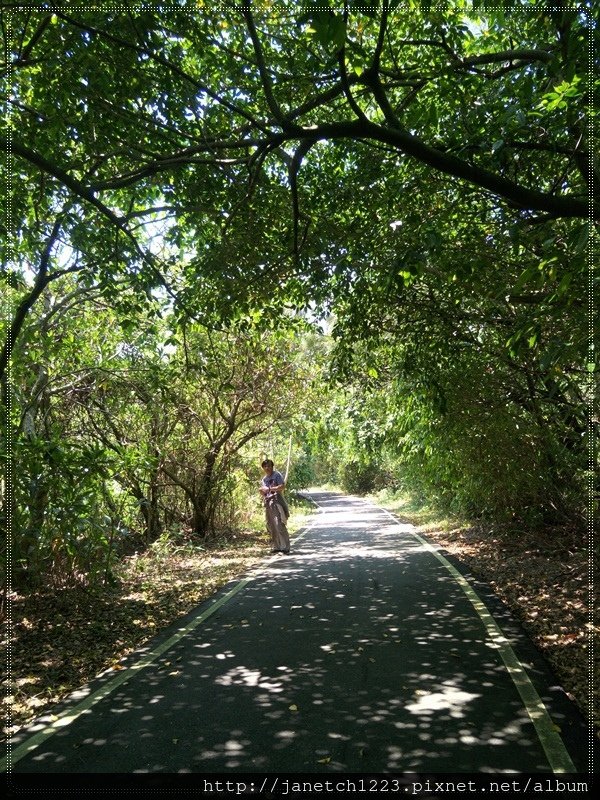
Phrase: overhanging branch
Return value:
(404, 142)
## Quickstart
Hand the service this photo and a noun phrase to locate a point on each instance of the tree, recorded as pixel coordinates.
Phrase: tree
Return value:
(422, 175)
(212, 100)
(467, 330)
(451, 91)
(124, 426)
(232, 388)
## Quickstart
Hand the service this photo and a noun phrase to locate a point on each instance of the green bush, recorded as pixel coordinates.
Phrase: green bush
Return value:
(302, 473)
(359, 477)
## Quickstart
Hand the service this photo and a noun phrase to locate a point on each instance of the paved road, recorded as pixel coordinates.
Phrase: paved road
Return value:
(361, 652)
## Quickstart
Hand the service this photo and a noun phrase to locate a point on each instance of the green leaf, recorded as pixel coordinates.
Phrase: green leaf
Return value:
(329, 28)
(432, 117)
(338, 31)
(369, 9)
(583, 238)
(564, 283)
(524, 278)
(13, 279)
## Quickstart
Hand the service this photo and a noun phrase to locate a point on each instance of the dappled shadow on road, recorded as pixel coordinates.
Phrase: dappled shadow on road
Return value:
(357, 653)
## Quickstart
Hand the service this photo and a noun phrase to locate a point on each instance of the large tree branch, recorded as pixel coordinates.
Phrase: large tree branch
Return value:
(247, 438)
(404, 142)
(82, 295)
(324, 97)
(376, 61)
(546, 148)
(294, 168)
(345, 80)
(85, 193)
(502, 56)
(78, 188)
(267, 85)
(188, 490)
(198, 417)
(372, 80)
(180, 158)
(42, 280)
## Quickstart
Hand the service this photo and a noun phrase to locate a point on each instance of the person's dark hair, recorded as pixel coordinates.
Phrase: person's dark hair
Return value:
(267, 463)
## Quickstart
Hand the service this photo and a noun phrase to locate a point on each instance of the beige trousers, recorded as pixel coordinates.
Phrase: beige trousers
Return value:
(280, 538)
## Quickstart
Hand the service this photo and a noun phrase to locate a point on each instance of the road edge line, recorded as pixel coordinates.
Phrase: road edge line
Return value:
(552, 743)
(68, 716)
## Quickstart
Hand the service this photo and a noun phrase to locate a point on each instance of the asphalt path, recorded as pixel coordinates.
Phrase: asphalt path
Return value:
(363, 651)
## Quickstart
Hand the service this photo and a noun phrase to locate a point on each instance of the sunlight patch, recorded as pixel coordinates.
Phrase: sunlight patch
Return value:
(450, 699)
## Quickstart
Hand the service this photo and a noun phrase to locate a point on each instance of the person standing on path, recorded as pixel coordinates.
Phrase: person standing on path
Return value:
(276, 510)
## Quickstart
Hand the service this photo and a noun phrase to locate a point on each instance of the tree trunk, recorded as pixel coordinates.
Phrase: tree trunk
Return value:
(204, 500)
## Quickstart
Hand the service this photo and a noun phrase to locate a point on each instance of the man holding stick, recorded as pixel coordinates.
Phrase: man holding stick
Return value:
(276, 510)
